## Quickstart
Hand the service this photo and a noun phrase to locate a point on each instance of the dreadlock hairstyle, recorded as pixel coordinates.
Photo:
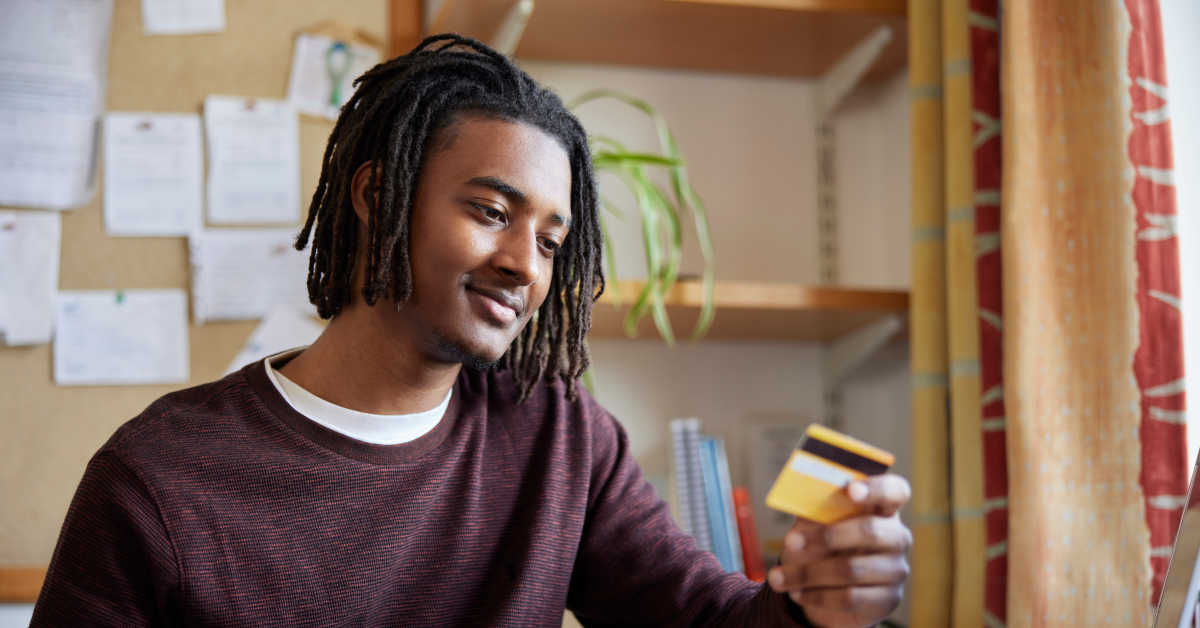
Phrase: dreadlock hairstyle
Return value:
(394, 120)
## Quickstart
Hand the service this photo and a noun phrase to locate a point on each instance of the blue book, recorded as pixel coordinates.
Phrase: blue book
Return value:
(716, 510)
(727, 507)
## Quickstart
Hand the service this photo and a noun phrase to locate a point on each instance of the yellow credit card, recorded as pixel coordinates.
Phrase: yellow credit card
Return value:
(813, 482)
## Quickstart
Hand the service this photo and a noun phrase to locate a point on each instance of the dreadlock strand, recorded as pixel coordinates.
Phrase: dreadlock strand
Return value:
(405, 159)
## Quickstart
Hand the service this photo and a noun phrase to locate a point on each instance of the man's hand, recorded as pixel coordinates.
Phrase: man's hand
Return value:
(849, 574)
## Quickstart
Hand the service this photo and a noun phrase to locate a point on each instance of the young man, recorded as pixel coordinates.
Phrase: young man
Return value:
(369, 479)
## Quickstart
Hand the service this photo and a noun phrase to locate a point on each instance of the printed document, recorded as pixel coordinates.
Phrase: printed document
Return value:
(108, 337)
(245, 273)
(29, 250)
(182, 17)
(323, 73)
(253, 161)
(286, 328)
(53, 65)
(153, 174)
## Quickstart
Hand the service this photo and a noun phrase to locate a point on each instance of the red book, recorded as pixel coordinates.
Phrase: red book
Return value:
(752, 556)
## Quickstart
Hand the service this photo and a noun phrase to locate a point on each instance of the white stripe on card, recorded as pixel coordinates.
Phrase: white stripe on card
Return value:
(806, 465)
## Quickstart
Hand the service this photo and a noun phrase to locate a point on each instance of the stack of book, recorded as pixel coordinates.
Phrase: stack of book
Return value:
(706, 501)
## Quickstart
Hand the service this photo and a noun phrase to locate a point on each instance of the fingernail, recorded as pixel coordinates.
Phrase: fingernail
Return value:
(795, 542)
(857, 491)
(775, 579)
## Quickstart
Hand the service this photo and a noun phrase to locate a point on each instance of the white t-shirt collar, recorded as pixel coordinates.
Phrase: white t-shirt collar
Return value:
(378, 429)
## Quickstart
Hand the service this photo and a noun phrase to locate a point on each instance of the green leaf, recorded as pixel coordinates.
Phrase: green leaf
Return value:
(608, 159)
(662, 211)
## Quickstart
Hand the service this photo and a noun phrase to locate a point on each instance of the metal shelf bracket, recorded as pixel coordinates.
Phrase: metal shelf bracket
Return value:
(831, 89)
(840, 357)
(508, 34)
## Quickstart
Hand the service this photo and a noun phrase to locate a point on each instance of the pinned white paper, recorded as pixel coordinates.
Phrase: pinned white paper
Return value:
(245, 273)
(106, 337)
(153, 174)
(286, 328)
(53, 65)
(253, 161)
(29, 252)
(323, 73)
(182, 17)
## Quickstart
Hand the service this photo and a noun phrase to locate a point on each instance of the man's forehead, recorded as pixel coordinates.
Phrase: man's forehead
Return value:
(520, 161)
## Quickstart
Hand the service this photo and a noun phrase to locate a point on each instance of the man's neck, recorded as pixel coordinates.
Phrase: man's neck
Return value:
(364, 361)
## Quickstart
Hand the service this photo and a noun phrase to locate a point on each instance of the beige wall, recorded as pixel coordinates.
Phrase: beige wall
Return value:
(873, 183)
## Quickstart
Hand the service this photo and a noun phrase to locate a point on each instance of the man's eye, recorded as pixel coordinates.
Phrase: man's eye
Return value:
(491, 212)
(551, 245)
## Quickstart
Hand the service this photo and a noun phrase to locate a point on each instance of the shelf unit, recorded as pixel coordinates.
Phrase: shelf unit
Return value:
(21, 584)
(756, 311)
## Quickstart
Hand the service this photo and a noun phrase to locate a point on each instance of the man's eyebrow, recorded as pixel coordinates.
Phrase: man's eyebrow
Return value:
(517, 195)
(501, 187)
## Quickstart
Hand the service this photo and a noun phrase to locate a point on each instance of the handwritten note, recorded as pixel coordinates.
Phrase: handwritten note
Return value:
(286, 328)
(245, 273)
(109, 337)
(29, 253)
(152, 174)
(53, 64)
(182, 17)
(254, 161)
(323, 73)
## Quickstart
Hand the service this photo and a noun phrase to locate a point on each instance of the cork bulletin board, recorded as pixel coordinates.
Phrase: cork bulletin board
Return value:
(47, 432)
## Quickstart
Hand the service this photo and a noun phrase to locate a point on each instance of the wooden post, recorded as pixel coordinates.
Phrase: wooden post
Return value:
(407, 25)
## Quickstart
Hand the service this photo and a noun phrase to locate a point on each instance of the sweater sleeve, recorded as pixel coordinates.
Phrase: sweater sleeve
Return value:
(635, 567)
(114, 564)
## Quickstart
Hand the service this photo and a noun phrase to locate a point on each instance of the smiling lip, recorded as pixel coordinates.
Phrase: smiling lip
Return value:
(502, 306)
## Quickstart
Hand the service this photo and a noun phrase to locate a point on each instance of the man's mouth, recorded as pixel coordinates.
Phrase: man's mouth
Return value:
(504, 307)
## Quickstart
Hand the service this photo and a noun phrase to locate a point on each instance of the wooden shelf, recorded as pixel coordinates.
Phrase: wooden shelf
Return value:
(795, 38)
(21, 584)
(757, 311)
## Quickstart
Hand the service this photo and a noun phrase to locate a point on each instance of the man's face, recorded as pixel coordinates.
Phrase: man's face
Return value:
(493, 205)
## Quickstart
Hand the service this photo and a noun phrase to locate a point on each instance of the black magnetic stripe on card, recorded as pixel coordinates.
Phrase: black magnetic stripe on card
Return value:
(837, 455)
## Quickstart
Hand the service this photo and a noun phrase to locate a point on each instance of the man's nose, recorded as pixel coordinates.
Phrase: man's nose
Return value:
(518, 257)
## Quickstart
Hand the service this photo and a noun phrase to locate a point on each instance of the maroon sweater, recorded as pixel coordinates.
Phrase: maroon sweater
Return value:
(222, 506)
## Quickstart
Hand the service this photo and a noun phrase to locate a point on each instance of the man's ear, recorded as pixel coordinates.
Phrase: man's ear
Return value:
(359, 188)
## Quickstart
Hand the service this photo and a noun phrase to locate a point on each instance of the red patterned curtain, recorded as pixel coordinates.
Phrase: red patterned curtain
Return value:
(1158, 362)
(985, 84)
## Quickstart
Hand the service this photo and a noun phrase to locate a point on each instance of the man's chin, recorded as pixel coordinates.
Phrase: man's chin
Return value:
(459, 351)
